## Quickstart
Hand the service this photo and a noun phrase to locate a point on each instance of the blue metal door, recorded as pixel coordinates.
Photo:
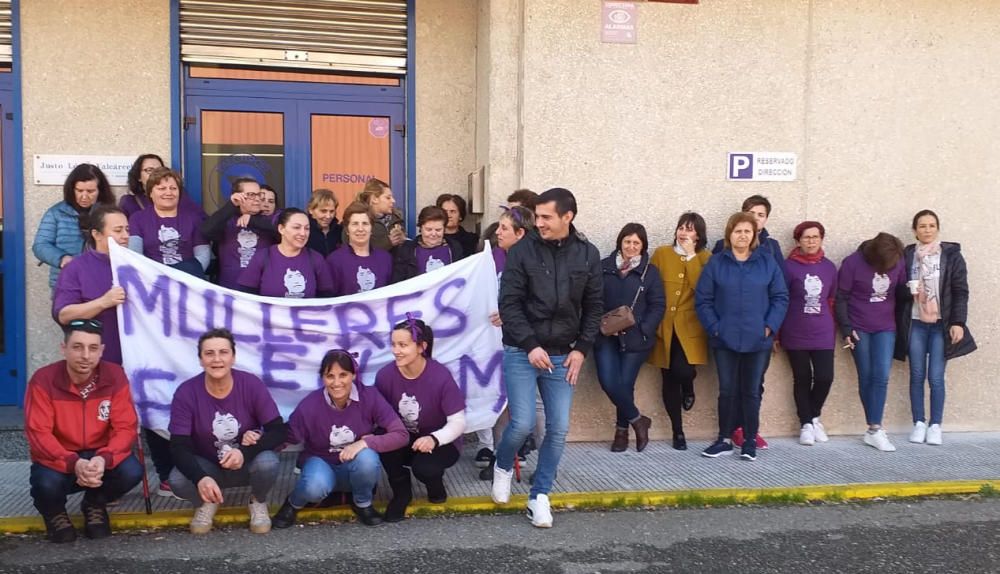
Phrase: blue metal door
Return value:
(12, 347)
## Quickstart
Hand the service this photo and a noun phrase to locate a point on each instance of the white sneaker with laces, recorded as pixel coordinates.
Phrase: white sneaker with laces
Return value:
(501, 484)
(260, 522)
(879, 440)
(934, 434)
(204, 515)
(919, 432)
(820, 431)
(540, 512)
(807, 435)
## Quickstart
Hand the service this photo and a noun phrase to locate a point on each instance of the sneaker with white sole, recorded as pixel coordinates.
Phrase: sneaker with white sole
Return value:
(204, 515)
(260, 520)
(718, 448)
(934, 434)
(540, 512)
(879, 440)
(819, 431)
(501, 484)
(919, 432)
(807, 436)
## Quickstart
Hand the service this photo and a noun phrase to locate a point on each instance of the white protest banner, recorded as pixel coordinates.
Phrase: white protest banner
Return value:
(283, 340)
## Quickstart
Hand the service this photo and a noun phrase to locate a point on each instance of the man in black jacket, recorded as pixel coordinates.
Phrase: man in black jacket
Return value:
(551, 306)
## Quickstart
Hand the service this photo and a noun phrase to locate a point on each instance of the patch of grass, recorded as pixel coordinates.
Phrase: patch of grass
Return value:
(989, 491)
(834, 496)
(780, 498)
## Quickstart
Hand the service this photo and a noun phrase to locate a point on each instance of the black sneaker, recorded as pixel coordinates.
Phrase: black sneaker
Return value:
(436, 493)
(486, 473)
(396, 510)
(749, 451)
(484, 458)
(717, 449)
(59, 529)
(367, 515)
(96, 523)
(285, 516)
(680, 443)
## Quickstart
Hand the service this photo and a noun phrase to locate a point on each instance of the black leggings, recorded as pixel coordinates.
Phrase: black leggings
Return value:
(812, 372)
(678, 381)
(428, 467)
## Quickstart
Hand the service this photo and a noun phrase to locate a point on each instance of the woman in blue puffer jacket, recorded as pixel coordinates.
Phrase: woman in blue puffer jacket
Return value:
(59, 238)
(630, 280)
(741, 300)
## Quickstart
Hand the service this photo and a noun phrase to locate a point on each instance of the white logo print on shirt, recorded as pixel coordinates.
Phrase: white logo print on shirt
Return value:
(409, 411)
(247, 241)
(340, 437)
(170, 245)
(295, 283)
(366, 279)
(433, 263)
(225, 428)
(104, 411)
(813, 286)
(880, 288)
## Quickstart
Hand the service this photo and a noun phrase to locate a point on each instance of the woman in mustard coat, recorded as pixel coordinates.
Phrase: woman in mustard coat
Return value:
(681, 342)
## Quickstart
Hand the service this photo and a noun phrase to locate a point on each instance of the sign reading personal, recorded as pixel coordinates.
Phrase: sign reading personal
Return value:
(284, 340)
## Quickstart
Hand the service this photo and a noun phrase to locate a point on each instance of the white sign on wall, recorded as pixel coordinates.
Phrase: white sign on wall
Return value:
(50, 169)
(762, 166)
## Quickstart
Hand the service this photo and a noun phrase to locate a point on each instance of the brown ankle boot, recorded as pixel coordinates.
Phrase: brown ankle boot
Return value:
(620, 444)
(641, 428)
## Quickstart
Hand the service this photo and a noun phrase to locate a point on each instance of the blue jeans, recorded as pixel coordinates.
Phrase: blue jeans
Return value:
(260, 475)
(873, 359)
(617, 371)
(739, 390)
(319, 478)
(927, 361)
(522, 380)
(49, 488)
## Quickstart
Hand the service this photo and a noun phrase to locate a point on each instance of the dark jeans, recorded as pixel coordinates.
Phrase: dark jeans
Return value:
(49, 488)
(738, 422)
(259, 474)
(428, 467)
(812, 372)
(739, 389)
(617, 371)
(678, 381)
(159, 451)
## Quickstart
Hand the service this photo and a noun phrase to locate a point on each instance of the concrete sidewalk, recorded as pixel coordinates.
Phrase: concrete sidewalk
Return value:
(591, 475)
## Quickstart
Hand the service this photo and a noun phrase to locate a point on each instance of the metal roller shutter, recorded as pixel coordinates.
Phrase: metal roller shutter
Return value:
(6, 33)
(338, 35)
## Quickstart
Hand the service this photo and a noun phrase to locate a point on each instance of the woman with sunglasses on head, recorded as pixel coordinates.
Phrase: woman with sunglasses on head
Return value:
(432, 409)
(59, 238)
(234, 230)
(336, 426)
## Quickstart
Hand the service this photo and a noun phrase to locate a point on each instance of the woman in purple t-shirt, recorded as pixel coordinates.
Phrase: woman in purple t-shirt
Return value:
(431, 250)
(336, 426)
(432, 408)
(358, 266)
(865, 310)
(808, 333)
(169, 233)
(288, 269)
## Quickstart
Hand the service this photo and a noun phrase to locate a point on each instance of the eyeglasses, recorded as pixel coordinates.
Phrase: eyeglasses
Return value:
(149, 169)
(92, 323)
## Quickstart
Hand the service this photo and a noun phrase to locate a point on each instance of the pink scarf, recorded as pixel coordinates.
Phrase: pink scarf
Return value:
(927, 295)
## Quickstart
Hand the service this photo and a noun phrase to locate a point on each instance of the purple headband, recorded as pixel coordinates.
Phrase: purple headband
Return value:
(514, 214)
(415, 330)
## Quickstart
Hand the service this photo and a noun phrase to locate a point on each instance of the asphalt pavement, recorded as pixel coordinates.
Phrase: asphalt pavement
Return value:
(930, 536)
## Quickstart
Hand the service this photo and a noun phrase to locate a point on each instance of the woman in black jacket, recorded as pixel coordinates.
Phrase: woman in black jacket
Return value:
(629, 280)
(431, 250)
(930, 320)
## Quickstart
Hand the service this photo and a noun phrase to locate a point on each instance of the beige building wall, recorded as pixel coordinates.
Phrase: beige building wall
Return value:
(890, 107)
(96, 80)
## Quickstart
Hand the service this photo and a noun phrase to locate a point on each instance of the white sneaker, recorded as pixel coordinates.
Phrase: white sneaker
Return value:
(501, 484)
(260, 522)
(539, 511)
(919, 432)
(201, 523)
(879, 440)
(819, 431)
(934, 434)
(807, 435)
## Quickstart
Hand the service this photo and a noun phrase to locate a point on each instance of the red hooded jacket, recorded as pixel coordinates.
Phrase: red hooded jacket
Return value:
(62, 419)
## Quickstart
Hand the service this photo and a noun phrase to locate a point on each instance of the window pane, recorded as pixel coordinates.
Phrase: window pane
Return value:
(240, 144)
(347, 151)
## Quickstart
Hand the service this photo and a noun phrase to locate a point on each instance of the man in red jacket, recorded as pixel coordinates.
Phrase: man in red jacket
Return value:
(81, 425)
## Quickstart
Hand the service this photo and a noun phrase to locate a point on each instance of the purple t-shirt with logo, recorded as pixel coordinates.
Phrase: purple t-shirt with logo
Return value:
(129, 204)
(353, 273)
(216, 426)
(424, 403)
(499, 260)
(871, 303)
(236, 249)
(809, 323)
(429, 259)
(85, 278)
(168, 240)
(291, 277)
(324, 430)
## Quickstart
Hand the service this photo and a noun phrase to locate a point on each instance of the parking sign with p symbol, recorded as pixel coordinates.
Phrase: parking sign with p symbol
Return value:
(740, 166)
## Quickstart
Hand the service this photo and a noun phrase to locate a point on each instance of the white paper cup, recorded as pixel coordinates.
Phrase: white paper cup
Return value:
(914, 286)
